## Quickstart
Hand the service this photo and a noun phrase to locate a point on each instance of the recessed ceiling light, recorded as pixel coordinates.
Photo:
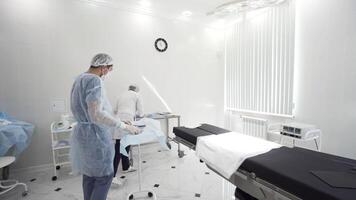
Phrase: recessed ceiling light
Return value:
(187, 13)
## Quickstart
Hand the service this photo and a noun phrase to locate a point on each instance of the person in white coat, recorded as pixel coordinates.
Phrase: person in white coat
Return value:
(128, 107)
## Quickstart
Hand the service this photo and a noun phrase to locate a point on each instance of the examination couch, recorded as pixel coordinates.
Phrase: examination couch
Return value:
(283, 173)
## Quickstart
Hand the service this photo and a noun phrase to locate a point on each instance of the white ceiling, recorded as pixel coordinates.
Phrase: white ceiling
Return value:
(171, 9)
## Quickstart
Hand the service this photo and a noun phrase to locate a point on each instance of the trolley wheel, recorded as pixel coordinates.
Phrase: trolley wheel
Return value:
(54, 178)
(25, 193)
(169, 145)
(131, 196)
(180, 154)
(150, 194)
(58, 167)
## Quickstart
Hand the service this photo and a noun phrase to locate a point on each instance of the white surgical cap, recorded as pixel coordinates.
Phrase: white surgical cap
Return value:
(101, 59)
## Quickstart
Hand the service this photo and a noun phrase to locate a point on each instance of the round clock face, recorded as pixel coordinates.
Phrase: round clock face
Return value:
(161, 44)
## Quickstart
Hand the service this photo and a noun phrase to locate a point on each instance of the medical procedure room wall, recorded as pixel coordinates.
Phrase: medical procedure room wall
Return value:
(45, 44)
(325, 74)
(325, 58)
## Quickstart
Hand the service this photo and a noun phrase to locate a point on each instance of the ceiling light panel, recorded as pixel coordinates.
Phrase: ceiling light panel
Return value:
(239, 6)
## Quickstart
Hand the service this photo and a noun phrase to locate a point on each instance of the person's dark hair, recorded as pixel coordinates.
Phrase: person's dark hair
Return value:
(134, 88)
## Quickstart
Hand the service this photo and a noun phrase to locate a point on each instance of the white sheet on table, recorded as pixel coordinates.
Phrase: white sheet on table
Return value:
(226, 152)
(150, 133)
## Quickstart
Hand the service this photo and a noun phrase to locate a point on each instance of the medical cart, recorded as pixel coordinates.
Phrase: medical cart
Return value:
(60, 135)
(143, 193)
(166, 117)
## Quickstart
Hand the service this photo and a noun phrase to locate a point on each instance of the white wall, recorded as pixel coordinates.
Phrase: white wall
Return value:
(325, 71)
(44, 44)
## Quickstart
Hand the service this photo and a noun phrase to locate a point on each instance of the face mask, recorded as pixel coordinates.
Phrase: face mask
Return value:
(103, 75)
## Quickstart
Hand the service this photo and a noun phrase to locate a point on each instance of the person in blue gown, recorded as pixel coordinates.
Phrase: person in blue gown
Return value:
(92, 148)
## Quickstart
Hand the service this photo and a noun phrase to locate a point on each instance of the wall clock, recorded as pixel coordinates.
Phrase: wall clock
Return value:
(161, 45)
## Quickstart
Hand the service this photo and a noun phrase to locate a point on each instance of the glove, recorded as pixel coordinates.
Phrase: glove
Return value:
(133, 130)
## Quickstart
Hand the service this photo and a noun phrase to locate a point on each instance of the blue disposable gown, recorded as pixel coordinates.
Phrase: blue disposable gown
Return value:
(92, 149)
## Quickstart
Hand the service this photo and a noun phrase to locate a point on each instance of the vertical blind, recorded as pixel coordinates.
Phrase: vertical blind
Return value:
(259, 61)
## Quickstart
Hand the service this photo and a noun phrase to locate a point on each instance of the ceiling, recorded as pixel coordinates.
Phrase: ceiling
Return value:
(170, 9)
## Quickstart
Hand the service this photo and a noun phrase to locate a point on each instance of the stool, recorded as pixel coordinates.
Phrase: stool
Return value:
(7, 185)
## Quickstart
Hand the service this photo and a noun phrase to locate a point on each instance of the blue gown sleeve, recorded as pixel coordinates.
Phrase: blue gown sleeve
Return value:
(94, 99)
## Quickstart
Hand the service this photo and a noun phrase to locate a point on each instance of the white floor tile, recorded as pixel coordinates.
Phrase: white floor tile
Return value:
(178, 178)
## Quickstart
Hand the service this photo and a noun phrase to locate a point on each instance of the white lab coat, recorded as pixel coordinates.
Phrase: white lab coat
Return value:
(127, 106)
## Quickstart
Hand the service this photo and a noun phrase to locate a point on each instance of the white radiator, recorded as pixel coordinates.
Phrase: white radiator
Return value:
(256, 127)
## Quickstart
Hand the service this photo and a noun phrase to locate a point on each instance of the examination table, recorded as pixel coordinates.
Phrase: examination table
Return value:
(283, 173)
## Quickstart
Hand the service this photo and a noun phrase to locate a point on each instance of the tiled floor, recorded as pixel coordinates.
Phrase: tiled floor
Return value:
(175, 178)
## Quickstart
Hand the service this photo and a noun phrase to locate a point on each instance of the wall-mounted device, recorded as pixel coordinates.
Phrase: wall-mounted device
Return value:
(300, 130)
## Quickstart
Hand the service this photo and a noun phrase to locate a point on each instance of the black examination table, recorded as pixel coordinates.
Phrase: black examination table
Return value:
(285, 173)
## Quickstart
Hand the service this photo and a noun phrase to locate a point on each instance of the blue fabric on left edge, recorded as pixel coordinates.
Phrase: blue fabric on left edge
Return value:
(14, 133)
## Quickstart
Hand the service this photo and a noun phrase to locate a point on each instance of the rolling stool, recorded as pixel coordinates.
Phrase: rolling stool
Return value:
(4, 162)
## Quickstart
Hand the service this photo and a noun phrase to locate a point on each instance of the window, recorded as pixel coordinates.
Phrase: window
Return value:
(259, 62)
